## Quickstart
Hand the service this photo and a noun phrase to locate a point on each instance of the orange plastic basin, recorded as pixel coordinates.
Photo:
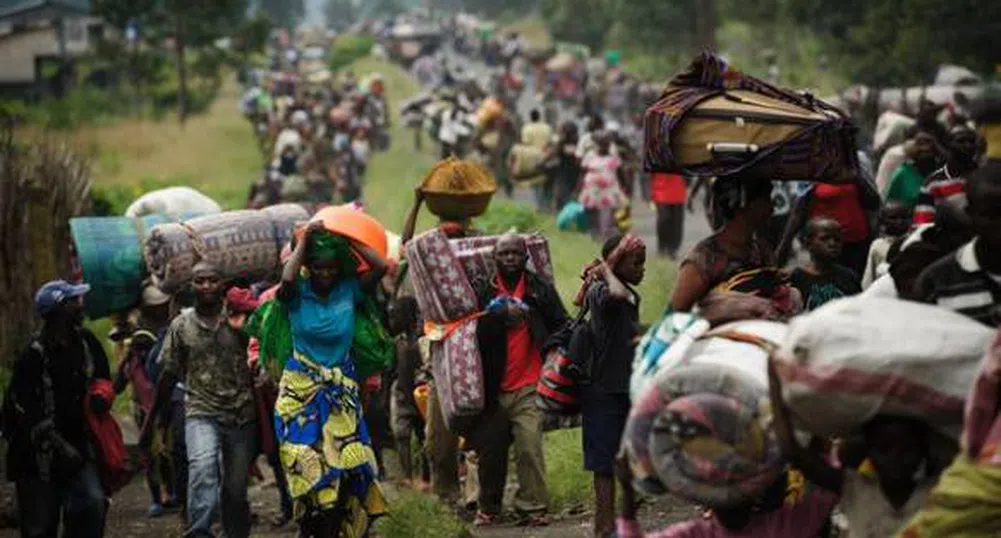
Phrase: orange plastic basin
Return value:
(353, 224)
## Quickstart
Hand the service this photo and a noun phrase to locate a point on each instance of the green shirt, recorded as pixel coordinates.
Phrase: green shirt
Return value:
(210, 358)
(905, 184)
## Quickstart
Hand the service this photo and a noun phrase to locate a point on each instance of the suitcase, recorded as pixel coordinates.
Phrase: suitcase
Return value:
(713, 121)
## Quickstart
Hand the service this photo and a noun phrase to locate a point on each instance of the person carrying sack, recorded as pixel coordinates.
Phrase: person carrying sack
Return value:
(521, 311)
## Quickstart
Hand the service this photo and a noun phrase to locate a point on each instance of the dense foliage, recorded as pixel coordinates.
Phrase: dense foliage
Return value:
(876, 42)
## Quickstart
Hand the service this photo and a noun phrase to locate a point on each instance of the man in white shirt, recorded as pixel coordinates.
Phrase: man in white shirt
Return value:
(292, 136)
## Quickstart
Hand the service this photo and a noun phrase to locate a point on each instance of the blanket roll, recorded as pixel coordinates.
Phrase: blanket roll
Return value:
(703, 433)
(242, 244)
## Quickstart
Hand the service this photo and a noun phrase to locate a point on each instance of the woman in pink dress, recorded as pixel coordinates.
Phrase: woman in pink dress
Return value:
(601, 191)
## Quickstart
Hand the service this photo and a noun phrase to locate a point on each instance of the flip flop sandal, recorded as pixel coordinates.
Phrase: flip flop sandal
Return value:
(484, 519)
(536, 520)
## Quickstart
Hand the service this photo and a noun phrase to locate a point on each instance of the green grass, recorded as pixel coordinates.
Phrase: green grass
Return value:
(394, 175)
(416, 515)
(569, 484)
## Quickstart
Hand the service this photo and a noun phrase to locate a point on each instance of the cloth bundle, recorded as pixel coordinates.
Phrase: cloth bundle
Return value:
(444, 294)
(967, 499)
(173, 201)
(856, 358)
(712, 120)
(442, 271)
(109, 251)
(241, 244)
(675, 332)
(702, 428)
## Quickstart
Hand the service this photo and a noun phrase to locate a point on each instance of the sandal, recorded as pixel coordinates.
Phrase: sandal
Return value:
(484, 519)
(534, 520)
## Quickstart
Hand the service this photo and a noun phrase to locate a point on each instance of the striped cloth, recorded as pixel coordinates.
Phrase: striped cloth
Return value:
(825, 150)
(958, 283)
(940, 186)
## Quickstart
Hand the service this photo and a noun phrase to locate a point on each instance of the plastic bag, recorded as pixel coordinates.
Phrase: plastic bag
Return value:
(572, 218)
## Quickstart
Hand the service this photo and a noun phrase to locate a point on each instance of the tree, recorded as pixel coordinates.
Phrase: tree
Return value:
(340, 14)
(284, 13)
(255, 31)
(119, 13)
(382, 8)
(579, 21)
(196, 23)
(640, 25)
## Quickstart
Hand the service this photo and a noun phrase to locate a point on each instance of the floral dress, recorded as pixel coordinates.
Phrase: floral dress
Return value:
(601, 189)
(324, 444)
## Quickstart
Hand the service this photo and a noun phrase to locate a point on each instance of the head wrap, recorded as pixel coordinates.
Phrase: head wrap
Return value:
(324, 245)
(629, 244)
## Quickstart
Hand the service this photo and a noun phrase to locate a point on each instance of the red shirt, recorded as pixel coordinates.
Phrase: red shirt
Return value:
(841, 203)
(668, 189)
(524, 363)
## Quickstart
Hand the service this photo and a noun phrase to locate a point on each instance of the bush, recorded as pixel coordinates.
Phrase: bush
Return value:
(503, 216)
(112, 200)
(80, 106)
(349, 48)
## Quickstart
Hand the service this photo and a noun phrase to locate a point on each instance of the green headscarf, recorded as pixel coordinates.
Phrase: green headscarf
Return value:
(324, 245)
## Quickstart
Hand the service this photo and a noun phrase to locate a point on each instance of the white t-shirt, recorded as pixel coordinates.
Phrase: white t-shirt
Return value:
(287, 138)
(452, 127)
(870, 514)
(877, 265)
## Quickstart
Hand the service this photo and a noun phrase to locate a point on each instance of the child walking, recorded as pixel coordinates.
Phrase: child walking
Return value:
(613, 304)
(894, 221)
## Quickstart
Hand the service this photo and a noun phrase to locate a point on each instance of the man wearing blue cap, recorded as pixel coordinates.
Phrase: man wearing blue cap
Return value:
(50, 457)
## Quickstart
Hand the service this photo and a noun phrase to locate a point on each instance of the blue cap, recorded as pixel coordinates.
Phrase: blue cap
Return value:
(51, 294)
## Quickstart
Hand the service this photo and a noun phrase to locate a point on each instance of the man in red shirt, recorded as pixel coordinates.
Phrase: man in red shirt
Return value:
(521, 311)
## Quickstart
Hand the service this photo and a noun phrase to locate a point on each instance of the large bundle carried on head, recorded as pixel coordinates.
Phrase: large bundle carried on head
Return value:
(702, 428)
(714, 121)
(458, 190)
(442, 271)
(854, 359)
(242, 244)
(109, 253)
(173, 201)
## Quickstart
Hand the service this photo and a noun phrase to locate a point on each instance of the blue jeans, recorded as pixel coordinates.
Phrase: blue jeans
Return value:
(79, 500)
(219, 458)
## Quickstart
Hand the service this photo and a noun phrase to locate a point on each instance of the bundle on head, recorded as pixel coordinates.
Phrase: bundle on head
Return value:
(457, 190)
(453, 176)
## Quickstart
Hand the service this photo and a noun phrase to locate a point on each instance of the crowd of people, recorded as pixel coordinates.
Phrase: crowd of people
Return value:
(222, 374)
(316, 134)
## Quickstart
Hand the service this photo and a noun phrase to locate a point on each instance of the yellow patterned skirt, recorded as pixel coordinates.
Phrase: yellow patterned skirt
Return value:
(324, 445)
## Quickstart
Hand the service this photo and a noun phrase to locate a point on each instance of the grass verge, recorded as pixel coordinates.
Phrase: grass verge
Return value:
(417, 515)
(569, 484)
(214, 152)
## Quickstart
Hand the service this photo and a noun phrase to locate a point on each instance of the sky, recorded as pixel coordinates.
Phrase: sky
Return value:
(314, 11)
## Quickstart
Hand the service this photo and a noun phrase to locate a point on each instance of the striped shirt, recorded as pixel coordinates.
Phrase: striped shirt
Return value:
(939, 186)
(957, 282)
